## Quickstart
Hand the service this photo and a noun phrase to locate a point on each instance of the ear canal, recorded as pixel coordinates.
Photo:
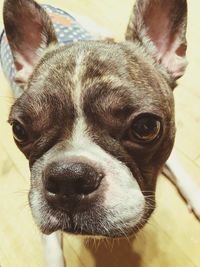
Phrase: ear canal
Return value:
(29, 31)
(160, 27)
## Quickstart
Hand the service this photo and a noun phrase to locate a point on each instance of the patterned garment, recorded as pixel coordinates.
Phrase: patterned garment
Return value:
(67, 30)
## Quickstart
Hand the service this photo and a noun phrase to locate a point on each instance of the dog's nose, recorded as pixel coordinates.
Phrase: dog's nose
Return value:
(70, 179)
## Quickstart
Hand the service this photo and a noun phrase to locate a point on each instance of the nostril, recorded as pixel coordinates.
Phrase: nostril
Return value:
(71, 178)
(88, 183)
(52, 185)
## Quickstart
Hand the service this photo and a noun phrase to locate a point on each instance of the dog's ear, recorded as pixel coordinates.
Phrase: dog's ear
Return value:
(160, 26)
(29, 31)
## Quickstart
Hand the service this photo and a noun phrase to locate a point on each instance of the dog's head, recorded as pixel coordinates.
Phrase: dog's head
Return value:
(96, 119)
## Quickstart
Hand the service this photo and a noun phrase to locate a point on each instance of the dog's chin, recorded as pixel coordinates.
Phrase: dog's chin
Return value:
(95, 221)
(93, 227)
(98, 232)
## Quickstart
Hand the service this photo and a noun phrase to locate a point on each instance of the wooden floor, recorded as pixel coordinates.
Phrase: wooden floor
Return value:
(172, 237)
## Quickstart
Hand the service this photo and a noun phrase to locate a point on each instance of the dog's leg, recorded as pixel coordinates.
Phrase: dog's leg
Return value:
(184, 183)
(53, 253)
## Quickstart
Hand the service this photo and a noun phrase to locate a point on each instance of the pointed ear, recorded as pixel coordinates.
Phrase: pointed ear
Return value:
(29, 31)
(160, 26)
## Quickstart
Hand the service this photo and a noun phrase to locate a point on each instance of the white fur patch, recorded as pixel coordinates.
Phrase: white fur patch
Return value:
(124, 200)
(79, 68)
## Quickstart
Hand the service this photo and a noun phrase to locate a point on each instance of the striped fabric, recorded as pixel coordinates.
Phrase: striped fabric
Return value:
(67, 30)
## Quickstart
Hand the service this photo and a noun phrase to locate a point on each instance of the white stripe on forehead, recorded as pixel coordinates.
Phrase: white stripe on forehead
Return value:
(78, 72)
(80, 138)
(80, 126)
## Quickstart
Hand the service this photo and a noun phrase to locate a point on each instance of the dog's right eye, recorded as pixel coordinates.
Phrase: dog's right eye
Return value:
(145, 129)
(19, 132)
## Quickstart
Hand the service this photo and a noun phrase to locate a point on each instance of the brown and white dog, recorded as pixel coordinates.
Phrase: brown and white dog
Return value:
(96, 119)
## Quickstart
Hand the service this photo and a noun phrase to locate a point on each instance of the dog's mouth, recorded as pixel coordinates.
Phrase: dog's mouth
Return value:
(95, 230)
(93, 222)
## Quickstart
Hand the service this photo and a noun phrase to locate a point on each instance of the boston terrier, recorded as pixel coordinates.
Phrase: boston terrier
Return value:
(95, 117)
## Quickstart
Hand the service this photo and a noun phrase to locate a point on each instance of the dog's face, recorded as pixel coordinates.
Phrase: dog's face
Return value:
(96, 120)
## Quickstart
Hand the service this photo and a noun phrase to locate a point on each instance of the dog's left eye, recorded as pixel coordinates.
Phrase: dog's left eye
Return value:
(145, 128)
(19, 132)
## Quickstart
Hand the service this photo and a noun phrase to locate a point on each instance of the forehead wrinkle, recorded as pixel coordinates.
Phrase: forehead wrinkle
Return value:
(112, 81)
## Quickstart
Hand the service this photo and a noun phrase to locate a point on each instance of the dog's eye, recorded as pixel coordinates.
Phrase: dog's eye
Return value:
(19, 133)
(146, 128)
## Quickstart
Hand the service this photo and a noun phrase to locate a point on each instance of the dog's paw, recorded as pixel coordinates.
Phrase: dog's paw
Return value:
(193, 202)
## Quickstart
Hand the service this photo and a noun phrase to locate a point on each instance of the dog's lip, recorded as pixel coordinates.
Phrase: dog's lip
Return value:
(95, 230)
(113, 233)
(90, 233)
(85, 233)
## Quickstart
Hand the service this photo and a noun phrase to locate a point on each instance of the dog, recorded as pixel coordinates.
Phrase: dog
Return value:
(95, 118)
